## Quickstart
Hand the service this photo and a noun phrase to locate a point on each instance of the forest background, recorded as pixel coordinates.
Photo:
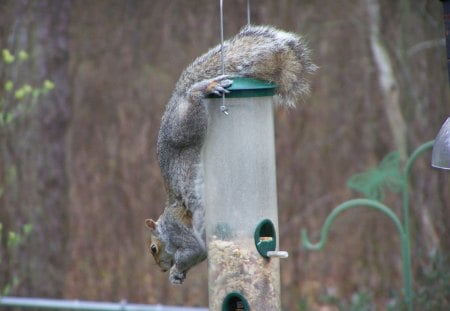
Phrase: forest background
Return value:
(83, 88)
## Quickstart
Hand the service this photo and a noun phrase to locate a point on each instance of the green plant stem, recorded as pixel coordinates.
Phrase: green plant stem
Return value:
(403, 227)
(341, 208)
(385, 210)
(407, 271)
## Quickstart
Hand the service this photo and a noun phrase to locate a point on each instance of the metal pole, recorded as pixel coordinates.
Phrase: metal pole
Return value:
(248, 13)
(55, 304)
(406, 224)
(446, 6)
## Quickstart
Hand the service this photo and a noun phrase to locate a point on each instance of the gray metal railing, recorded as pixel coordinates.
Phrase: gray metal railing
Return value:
(41, 303)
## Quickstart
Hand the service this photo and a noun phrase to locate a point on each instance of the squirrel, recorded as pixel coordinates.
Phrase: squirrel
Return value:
(177, 238)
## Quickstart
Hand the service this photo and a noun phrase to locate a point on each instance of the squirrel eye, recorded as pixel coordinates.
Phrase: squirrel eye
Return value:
(153, 249)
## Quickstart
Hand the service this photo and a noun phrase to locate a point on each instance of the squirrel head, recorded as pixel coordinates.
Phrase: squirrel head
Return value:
(157, 248)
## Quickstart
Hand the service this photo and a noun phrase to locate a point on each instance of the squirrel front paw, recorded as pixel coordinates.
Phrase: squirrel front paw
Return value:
(175, 276)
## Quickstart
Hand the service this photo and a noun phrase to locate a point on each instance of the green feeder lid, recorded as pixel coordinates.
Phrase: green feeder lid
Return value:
(248, 87)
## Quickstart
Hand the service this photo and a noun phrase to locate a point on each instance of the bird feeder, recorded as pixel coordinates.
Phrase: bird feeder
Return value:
(241, 199)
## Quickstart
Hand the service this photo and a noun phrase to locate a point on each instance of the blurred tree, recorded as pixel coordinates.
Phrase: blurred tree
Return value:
(387, 79)
(33, 166)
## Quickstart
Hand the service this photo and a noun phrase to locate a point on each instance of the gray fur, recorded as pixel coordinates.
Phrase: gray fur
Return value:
(260, 52)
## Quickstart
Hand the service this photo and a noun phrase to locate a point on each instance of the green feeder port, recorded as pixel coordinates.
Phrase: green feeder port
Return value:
(265, 237)
(266, 240)
(234, 301)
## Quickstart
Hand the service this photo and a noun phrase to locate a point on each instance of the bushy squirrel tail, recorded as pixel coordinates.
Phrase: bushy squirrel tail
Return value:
(261, 52)
(274, 55)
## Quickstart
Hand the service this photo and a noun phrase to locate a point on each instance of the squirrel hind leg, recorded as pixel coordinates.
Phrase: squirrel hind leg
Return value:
(218, 87)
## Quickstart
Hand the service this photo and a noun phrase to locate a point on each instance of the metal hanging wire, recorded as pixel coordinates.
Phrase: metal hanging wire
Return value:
(223, 107)
(248, 12)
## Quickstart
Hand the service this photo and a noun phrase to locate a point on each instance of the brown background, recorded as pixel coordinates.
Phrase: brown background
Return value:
(84, 163)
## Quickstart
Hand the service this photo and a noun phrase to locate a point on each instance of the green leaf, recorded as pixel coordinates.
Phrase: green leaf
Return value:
(48, 85)
(27, 88)
(19, 94)
(9, 85)
(35, 94)
(8, 58)
(13, 239)
(386, 176)
(23, 91)
(23, 56)
(5, 119)
(9, 118)
(27, 228)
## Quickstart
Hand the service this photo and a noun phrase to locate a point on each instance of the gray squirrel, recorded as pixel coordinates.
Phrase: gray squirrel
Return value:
(177, 238)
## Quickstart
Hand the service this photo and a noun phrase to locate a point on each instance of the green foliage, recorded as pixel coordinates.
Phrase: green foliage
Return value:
(48, 86)
(23, 91)
(359, 301)
(23, 56)
(433, 288)
(303, 304)
(16, 101)
(9, 85)
(386, 176)
(8, 58)
(434, 293)
(13, 241)
(19, 98)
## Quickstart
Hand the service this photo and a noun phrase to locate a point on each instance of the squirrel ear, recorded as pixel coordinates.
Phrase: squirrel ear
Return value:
(151, 224)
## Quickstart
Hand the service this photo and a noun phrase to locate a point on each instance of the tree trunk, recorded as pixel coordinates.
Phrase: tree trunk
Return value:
(387, 80)
(38, 193)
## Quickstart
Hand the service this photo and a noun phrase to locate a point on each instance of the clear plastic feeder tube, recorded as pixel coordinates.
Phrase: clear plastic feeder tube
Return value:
(241, 205)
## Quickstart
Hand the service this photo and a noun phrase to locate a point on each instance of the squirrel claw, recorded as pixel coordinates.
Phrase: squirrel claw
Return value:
(226, 83)
(219, 91)
(219, 85)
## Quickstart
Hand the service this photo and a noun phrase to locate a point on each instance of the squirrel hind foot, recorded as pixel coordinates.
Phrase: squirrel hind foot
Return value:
(219, 85)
